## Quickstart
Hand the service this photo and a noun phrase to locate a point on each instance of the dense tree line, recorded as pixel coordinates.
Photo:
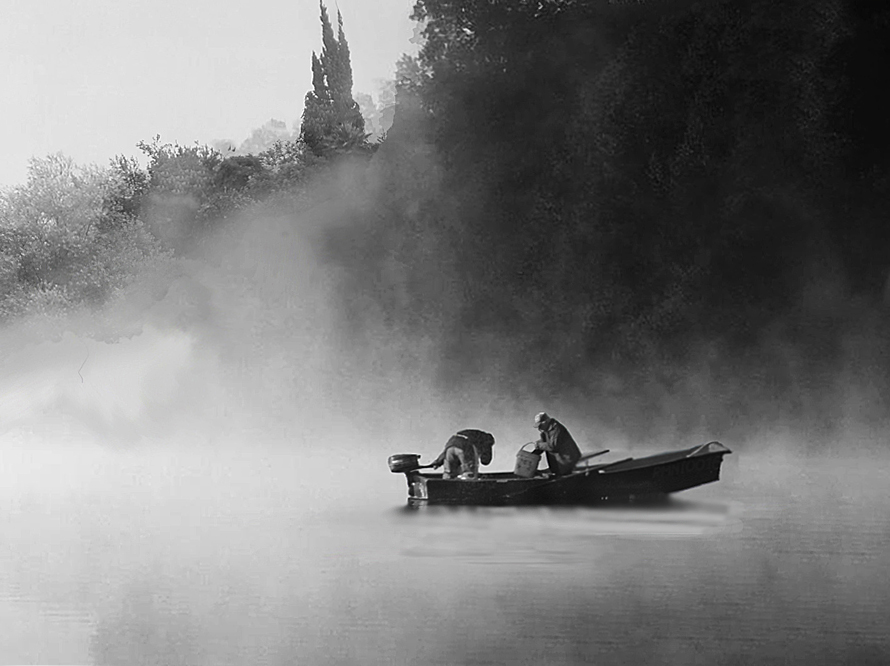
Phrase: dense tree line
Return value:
(72, 236)
(621, 185)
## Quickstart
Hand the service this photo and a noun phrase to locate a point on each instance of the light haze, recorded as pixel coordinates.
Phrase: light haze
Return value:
(91, 79)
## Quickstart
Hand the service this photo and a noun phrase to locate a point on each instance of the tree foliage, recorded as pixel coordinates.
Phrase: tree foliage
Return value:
(190, 189)
(68, 239)
(332, 120)
(610, 183)
(74, 236)
(265, 137)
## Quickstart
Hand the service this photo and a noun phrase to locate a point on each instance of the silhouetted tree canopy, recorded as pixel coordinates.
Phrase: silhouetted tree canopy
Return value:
(606, 182)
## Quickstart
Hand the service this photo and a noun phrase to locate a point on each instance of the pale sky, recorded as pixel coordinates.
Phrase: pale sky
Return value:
(91, 78)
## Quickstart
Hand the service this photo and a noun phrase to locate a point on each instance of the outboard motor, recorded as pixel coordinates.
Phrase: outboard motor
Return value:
(404, 462)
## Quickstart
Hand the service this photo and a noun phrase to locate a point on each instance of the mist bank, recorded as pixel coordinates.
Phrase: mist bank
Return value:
(658, 222)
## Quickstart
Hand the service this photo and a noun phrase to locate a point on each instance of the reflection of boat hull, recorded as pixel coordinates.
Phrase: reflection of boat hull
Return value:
(653, 475)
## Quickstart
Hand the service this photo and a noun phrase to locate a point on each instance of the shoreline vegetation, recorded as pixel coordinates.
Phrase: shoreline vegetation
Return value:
(656, 190)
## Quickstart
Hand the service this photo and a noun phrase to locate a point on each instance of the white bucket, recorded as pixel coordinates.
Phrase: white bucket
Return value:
(526, 462)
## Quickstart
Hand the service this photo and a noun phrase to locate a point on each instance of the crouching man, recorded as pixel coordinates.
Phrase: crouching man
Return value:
(561, 449)
(462, 454)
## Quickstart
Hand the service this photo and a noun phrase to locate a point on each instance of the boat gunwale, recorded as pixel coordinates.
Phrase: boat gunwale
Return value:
(617, 467)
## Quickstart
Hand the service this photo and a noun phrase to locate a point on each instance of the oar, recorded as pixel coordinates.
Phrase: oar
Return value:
(588, 456)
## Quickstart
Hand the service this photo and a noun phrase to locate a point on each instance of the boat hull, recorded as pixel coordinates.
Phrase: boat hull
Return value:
(657, 475)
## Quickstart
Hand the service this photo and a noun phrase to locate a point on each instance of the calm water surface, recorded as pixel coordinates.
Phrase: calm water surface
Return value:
(166, 557)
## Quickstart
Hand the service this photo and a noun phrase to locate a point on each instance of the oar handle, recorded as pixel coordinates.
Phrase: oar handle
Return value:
(613, 464)
(588, 456)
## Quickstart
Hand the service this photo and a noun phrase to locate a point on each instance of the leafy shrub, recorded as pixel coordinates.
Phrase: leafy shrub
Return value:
(67, 240)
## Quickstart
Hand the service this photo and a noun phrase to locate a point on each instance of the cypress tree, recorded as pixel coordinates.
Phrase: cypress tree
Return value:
(332, 121)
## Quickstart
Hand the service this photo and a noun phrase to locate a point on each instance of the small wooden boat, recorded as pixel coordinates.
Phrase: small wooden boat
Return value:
(627, 479)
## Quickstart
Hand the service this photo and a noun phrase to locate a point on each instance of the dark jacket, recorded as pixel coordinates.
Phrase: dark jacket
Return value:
(464, 451)
(482, 441)
(561, 449)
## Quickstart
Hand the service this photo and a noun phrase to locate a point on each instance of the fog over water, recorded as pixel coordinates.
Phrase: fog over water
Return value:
(199, 477)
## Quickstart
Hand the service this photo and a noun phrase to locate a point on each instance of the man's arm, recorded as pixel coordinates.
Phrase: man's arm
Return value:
(541, 445)
(548, 440)
(438, 462)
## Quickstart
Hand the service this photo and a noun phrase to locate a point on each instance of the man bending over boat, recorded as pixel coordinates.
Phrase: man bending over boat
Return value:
(556, 441)
(462, 454)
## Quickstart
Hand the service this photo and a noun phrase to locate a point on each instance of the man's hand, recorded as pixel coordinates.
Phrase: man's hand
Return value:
(436, 464)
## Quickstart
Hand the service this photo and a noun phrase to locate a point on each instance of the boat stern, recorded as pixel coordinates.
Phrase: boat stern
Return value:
(417, 488)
